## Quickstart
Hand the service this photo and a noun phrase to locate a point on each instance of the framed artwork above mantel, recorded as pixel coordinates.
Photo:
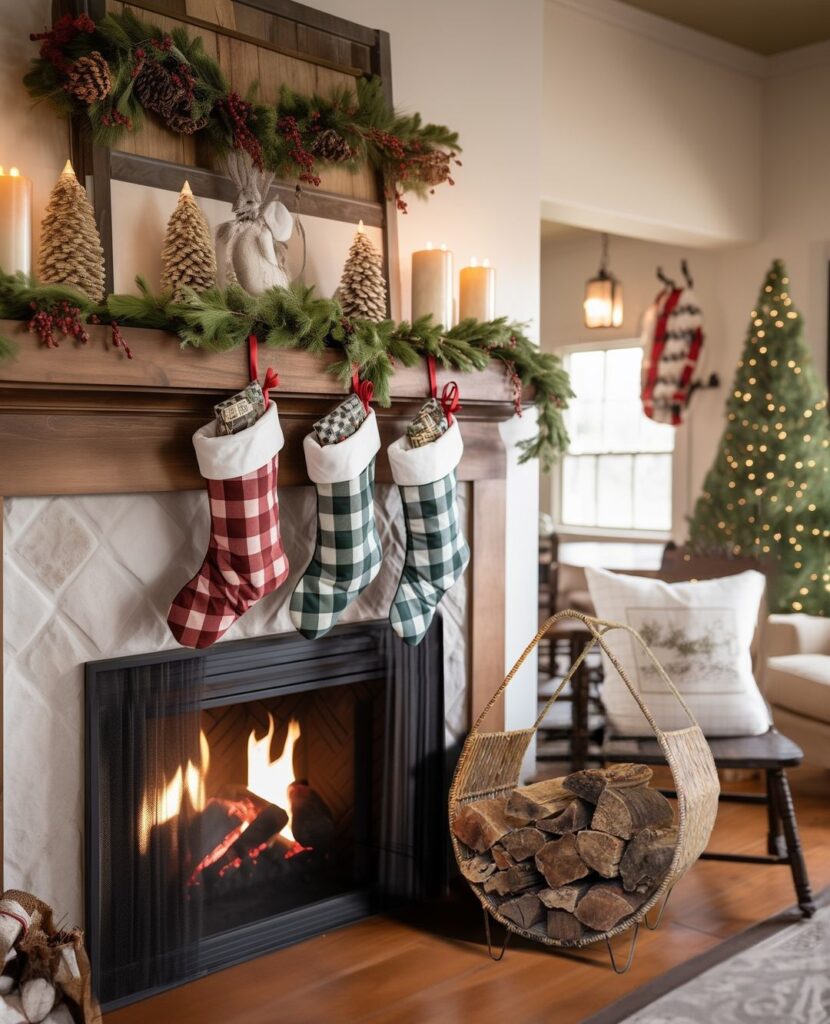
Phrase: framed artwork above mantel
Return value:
(267, 43)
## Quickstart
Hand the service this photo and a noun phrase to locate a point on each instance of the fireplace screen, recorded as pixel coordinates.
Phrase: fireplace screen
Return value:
(250, 796)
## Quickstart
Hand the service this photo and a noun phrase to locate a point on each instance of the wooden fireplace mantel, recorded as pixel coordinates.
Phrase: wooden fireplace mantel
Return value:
(85, 419)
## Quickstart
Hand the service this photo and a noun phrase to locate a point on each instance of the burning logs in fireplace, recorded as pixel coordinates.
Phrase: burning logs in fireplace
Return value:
(238, 834)
(573, 856)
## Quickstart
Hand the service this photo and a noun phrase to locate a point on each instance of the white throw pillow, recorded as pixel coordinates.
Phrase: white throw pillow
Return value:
(701, 633)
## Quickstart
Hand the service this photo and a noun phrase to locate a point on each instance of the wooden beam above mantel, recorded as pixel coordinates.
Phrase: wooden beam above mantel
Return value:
(85, 419)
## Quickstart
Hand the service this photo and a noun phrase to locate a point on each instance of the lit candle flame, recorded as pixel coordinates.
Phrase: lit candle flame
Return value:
(474, 261)
(429, 246)
(360, 229)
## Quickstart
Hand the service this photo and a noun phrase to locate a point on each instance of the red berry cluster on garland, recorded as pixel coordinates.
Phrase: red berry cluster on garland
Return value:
(53, 42)
(61, 316)
(119, 341)
(288, 126)
(241, 113)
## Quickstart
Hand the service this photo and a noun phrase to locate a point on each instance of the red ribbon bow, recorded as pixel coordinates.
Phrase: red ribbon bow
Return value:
(364, 389)
(450, 400)
(272, 378)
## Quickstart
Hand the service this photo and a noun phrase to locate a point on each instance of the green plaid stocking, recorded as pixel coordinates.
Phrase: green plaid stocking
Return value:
(347, 554)
(436, 552)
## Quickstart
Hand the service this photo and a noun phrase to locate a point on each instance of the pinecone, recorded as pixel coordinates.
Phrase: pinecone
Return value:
(331, 146)
(181, 120)
(70, 246)
(433, 168)
(362, 291)
(188, 258)
(156, 90)
(88, 79)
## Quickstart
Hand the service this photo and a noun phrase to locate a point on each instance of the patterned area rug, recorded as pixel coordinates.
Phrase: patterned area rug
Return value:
(777, 972)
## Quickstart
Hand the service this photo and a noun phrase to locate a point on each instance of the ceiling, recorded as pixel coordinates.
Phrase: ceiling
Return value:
(765, 26)
(553, 229)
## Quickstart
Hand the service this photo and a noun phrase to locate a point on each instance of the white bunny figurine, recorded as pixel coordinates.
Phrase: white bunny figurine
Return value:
(251, 248)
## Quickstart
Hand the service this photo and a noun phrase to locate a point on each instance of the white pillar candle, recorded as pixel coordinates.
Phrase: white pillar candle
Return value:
(15, 222)
(432, 284)
(477, 291)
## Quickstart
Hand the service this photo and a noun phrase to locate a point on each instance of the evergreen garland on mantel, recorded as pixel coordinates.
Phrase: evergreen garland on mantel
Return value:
(284, 318)
(120, 68)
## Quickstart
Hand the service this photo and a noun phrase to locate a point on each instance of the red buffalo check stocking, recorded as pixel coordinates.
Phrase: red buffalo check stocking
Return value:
(245, 558)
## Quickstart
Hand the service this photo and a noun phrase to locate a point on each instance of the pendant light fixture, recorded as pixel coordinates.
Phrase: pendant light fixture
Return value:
(603, 304)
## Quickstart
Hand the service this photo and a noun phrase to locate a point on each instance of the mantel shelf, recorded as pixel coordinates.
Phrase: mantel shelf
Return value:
(87, 419)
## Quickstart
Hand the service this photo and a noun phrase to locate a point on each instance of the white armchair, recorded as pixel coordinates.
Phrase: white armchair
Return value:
(797, 681)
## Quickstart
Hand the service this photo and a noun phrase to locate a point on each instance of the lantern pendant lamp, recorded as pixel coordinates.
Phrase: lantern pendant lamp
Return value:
(603, 303)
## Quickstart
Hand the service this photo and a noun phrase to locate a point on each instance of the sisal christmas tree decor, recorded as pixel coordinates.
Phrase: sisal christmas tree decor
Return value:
(362, 291)
(188, 258)
(70, 246)
(768, 492)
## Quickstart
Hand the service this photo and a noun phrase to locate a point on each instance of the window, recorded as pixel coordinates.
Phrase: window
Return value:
(617, 474)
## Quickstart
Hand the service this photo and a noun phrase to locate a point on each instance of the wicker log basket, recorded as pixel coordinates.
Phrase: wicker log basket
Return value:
(490, 764)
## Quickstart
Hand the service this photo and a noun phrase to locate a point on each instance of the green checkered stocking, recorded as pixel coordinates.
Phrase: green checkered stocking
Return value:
(436, 552)
(347, 554)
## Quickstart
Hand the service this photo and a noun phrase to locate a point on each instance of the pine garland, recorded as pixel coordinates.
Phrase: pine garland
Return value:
(284, 318)
(119, 68)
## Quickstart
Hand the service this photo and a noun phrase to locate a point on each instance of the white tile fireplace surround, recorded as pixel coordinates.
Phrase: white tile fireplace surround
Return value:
(91, 577)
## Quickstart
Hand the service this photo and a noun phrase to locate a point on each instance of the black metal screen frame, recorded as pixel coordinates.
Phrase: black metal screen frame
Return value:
(412, 857)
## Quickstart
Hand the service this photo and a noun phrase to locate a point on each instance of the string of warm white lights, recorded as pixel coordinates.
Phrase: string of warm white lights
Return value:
(771, 477)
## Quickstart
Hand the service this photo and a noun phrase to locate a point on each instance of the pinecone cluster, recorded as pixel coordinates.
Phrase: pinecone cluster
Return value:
(88, 78)
(165, 87)
(188, 258)
(362, 291)
(330, 145)
(433, 167)
(70, 246)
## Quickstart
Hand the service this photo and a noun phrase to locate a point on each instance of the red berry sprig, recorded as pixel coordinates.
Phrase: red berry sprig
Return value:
(61, 316)
(240, 113)
(119, 341)
(55, 40)
(288, 126)
(515, 382)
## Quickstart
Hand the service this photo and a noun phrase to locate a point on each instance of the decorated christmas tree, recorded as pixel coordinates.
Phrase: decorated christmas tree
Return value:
(362, 291)
(188, 259)
(768, 493)
(70, 246)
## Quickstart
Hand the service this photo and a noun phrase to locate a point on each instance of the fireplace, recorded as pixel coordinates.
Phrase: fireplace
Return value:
(256, 794)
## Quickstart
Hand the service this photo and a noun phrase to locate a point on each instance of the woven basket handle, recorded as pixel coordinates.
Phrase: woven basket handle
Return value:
(597, 628)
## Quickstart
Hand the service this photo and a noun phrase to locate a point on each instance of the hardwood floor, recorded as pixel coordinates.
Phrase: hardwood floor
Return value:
(436, 971)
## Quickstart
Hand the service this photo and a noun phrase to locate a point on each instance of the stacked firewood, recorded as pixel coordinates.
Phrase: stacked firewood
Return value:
(570, 857)
(46, 975)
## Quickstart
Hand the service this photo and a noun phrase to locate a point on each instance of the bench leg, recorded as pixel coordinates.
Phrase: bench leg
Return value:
(776, 844)
(783, 801)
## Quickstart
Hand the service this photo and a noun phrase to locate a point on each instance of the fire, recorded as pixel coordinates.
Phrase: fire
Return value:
(269, 779)
(169, 797)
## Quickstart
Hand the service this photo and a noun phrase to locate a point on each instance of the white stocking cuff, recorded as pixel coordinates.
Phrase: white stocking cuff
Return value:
(431, 462)
(334, 463)
(225, 456)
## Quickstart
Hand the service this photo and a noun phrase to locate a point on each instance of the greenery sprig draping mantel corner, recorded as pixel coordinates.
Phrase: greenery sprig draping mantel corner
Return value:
(117, 69)
(285, 318)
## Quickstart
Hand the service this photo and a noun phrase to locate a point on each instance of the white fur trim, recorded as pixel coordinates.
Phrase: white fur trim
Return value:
(225, 456)
(334, 463)
(412, 467)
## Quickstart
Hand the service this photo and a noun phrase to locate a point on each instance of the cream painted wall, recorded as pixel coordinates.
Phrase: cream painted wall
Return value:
(30, 136)
(647, 133)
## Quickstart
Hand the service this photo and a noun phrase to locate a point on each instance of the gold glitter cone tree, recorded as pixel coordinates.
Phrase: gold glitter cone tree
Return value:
(70, 246)
(188, 258)
(362, 291)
